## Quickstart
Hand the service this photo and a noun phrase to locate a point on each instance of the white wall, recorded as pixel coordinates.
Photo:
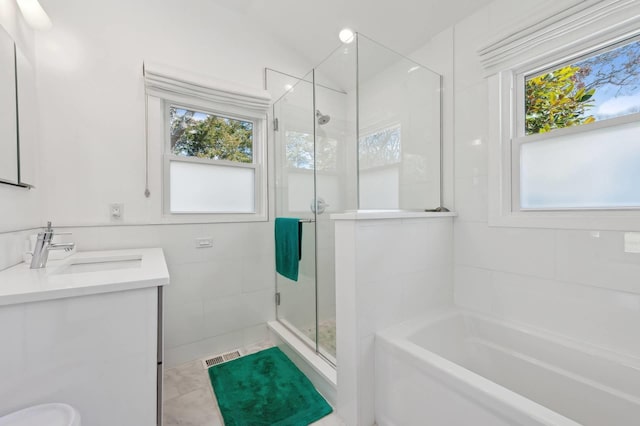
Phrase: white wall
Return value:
(19, 208)
(92, 93)
(91, 101)
(13, 246)
(560, 280)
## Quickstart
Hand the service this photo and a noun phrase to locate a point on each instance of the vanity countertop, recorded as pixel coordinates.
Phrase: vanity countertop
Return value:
(84, 273)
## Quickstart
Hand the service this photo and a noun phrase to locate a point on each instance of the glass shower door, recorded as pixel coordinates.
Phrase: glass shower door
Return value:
(295, 192)
(316, 175)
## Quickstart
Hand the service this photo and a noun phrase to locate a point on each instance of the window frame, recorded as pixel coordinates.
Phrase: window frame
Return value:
(506, 127)
(258, 164)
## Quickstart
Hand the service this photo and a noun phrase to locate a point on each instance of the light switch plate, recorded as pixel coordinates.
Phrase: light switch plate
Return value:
(632, 242)
(204, 242)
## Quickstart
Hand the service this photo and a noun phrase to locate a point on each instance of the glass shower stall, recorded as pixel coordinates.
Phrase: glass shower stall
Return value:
(360, 131)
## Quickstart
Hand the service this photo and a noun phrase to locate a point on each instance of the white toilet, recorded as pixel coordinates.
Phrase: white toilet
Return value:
(43, 415)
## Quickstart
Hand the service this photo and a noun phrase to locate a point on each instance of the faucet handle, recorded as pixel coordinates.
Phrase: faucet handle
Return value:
(50, 229)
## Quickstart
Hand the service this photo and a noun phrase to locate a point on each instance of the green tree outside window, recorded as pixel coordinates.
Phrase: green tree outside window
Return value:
(196, 134)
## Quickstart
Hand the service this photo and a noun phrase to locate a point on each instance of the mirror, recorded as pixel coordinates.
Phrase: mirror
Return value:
(9, 169)
(18, 122)
(27, 119)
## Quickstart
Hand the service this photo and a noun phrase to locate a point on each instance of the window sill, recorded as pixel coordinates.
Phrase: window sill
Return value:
(585, 220)
(196, 218)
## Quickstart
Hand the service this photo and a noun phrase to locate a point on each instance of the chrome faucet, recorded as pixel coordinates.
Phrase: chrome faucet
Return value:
(43, 245)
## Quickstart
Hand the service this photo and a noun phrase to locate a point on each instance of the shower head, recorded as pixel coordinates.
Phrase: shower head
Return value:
(322, 119)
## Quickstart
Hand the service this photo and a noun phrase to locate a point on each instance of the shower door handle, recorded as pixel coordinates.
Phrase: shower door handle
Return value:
(318, 205)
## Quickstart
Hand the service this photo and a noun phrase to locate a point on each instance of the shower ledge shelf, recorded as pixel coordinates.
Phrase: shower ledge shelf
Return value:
(389, 214)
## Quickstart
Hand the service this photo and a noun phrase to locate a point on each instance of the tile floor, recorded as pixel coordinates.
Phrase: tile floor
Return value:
(327, 332)
(189, 399)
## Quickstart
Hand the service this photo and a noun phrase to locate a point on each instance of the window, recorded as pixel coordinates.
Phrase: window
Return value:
(212, 138)
(577, 145)
(380, 156)
(302, 179)
(600, 86)
(211, 162)
(300, 151)
(564, 120)
(380, 148)
(566, 156)
(202, 135)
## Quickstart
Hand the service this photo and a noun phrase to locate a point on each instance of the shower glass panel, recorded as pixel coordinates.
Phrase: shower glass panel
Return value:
(399, 130)
(361, 131)
(294, 192)
(336, 178)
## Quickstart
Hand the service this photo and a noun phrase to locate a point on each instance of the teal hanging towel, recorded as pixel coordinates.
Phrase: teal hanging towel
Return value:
(288, 235)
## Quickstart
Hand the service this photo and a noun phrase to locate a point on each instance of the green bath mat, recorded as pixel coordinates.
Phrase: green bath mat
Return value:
(266, 388)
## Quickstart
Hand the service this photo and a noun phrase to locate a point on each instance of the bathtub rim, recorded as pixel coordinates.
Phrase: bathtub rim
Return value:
(408, 328)
(494, 397)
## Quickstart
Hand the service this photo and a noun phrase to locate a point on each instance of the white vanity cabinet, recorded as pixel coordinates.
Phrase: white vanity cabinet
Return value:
(88, 336)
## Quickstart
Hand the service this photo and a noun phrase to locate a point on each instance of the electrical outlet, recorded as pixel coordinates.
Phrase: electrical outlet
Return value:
(632, 242)
(204, 242)
(116, 211)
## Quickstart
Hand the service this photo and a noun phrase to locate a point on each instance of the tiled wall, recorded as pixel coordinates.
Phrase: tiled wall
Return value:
(219, 298)
(12, 247)
(576, 283)
(387, 271)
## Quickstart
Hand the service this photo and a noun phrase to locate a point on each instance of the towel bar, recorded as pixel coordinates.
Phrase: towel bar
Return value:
(306, 220)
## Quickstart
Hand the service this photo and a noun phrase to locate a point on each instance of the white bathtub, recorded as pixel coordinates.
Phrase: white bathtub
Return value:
(461, 368)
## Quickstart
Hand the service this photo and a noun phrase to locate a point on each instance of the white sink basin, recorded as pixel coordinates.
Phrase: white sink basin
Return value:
(98, 264)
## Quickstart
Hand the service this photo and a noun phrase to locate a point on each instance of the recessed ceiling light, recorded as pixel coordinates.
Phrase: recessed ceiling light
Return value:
(412, 69)
(346, 35)
(288, 87)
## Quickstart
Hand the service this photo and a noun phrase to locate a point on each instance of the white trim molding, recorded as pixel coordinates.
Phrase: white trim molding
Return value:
(561, 28)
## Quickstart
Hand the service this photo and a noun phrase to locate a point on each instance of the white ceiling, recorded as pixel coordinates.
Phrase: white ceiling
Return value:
(311, 27)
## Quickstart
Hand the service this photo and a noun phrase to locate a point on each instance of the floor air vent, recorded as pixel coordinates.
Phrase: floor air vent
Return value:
(231, 355)
(219, 359)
